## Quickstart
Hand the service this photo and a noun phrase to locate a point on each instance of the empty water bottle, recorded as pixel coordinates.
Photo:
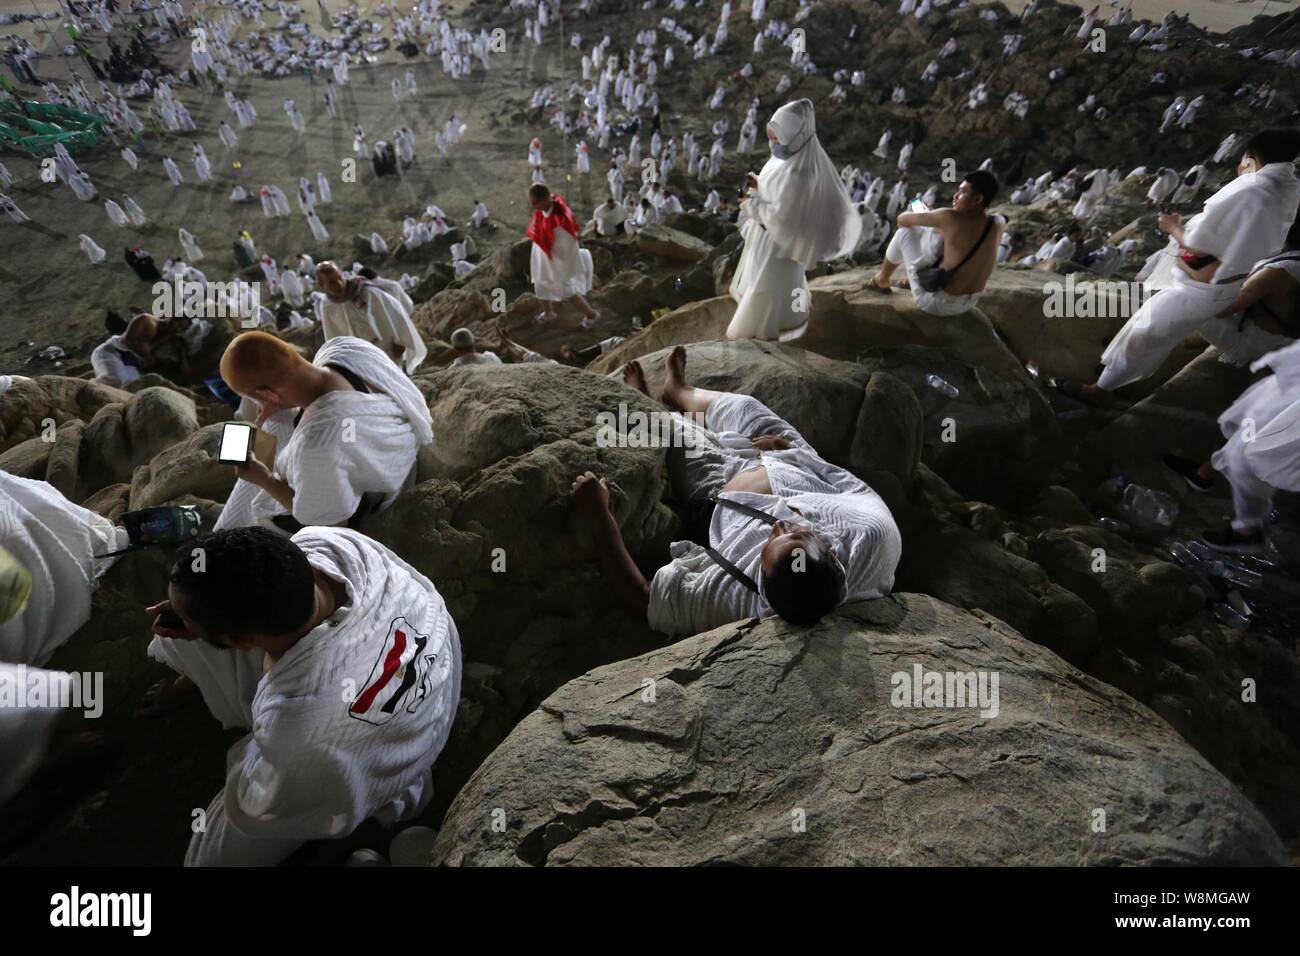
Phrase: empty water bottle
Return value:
(1148, 508)
(1032, 368)
(1184, 556)
(1242, 577)
(1238, 602)
(1226, 614)
(939, 385)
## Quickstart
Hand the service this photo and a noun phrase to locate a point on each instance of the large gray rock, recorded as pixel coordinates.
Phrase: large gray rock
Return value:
(187, 468)
(491, 524)
(157, 418)
(766, 744)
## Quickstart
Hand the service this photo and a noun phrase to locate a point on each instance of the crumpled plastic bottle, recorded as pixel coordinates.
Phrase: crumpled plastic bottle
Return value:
(1148, 508)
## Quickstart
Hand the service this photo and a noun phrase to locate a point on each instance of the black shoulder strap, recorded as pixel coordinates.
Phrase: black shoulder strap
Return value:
(744, 509)
(719, 558)
(975, 248)
(723, 562)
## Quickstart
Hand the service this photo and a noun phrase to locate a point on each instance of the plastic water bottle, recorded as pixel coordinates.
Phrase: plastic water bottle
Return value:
(1226, 614)
(1148, 508)
(939, 385)
(1184, 556)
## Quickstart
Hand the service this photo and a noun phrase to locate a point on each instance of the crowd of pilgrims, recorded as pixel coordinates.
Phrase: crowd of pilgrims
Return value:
(293, 588)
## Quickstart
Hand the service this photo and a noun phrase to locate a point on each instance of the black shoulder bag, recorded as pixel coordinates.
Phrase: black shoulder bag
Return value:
(934, 278)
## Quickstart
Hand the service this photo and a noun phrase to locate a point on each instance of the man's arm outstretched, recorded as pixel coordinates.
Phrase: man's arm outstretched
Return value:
(631, 589)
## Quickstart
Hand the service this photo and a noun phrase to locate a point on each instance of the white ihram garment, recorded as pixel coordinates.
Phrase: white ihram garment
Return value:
(566, 272)
(379, 319)
(320, 761)
(345, 445)
(56, 541)
(692, 593)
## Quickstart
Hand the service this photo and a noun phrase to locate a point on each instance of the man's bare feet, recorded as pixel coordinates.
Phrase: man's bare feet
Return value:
(875, 284)
(590, 319)
(674, 377)
(634, 376)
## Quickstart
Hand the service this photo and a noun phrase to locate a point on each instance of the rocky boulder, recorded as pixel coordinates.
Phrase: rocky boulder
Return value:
(766, 744)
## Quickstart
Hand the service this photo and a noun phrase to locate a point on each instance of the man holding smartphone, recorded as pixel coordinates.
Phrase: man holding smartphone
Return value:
(358, 668)
(1202, 269)
(347, 427)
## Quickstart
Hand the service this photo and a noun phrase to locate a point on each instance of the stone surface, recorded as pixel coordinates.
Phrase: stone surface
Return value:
(776, 745)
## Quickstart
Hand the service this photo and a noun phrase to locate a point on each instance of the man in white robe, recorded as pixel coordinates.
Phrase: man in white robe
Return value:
(358, 308)
(1201, 270)
(561, 270)
(347, 426)
(790, 534)
(467, 352)
(358, 671)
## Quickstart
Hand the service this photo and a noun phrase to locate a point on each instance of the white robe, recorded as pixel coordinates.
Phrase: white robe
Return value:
(329, 473)
(382, 321)
(56, 541)
(566, 272)
(191, 246)
(115, 212)
(317, 764)
(25, 732)
(93, 251)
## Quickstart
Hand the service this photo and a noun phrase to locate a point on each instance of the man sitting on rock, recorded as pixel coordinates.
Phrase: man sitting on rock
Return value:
(358, 669)
(790, 533)
(962, 240)
(347, 427)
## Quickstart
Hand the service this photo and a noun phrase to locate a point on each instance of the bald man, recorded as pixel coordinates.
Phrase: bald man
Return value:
(356, 306)
(347, 427)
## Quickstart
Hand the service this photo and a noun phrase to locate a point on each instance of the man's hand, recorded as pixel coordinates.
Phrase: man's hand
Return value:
(1169, 222)
(177, 633)
(590, 494)
(770, 442)
(254, 472)
(751, 181)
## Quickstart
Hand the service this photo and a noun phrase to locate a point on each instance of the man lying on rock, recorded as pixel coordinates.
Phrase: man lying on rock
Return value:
(359, 678)
(347, 427)
(789, 533)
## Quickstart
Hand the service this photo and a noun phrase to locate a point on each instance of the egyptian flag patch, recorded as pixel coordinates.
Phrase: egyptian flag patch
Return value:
(399, 679)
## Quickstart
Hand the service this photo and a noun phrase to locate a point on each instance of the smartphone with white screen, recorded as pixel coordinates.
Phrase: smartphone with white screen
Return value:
(236, 443)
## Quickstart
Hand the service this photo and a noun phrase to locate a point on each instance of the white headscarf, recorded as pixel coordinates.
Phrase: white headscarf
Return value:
(801, 201)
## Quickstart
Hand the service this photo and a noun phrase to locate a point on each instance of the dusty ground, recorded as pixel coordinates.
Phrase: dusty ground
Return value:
(55, 297)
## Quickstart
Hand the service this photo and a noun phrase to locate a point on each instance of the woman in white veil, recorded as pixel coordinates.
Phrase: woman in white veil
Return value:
(796, 213)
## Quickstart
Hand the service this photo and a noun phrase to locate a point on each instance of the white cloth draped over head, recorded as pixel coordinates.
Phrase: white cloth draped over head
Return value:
(329, 463)
(801, 201)
(1247, 220)
(56, 541)
(317, 764)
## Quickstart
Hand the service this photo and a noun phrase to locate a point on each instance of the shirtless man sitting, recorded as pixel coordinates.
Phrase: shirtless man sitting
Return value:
(963, 240)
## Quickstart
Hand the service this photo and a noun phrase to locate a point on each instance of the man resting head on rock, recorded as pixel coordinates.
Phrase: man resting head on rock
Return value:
(347, 426)
(788, 532)
(357, 679)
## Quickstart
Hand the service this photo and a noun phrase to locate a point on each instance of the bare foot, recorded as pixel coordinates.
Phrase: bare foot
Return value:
(589, 319)
(675, 376)
(634, 376)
